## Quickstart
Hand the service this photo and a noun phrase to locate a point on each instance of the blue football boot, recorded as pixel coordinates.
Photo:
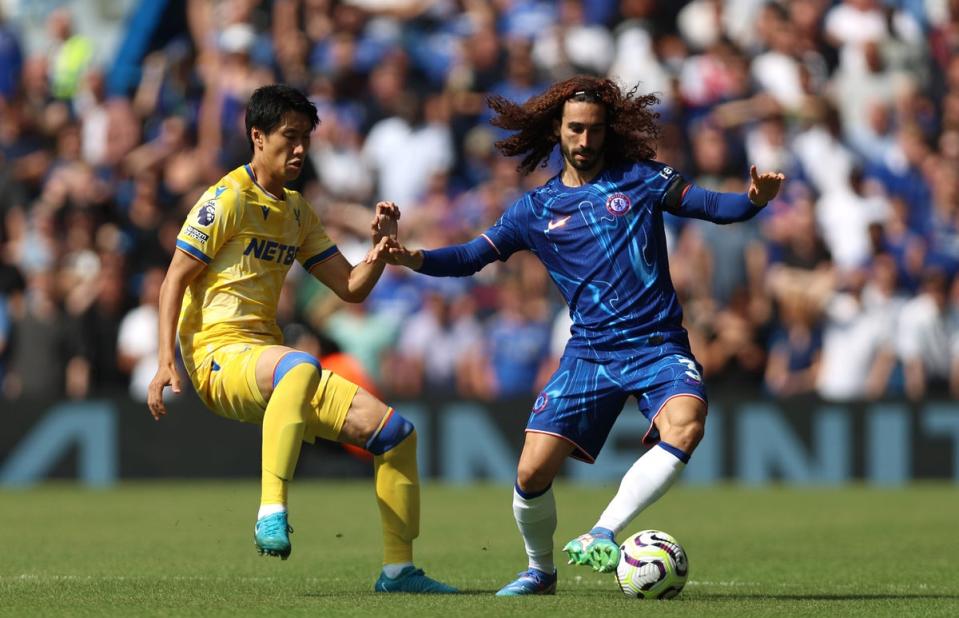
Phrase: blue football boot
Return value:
(272, 536)
(530, 581)
(412, 580)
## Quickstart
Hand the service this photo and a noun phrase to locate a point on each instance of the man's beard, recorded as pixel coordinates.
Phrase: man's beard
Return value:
(588, 162)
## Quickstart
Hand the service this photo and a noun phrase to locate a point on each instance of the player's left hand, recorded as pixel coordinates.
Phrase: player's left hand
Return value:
(384, 221)
(763, 187)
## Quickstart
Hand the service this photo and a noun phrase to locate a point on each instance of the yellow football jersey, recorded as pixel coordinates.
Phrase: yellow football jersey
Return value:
(248, 239)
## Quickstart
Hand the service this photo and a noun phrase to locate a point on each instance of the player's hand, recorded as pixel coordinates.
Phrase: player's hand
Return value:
(384, 221)
(165, 375)
(401, 256)
(763, 187)
(380, 251)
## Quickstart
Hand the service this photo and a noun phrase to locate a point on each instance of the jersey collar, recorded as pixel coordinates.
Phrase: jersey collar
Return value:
(249, 170)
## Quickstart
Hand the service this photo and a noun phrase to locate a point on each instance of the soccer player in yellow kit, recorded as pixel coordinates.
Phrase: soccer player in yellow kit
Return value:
(233, 253)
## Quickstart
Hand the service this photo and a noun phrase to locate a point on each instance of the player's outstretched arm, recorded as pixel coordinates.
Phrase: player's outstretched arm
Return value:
(354, 283)
(351, 283)
(183, 269)
(500, 241)
(688, 200)
(454, 261)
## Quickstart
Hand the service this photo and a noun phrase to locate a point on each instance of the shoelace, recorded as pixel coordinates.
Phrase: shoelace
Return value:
(419, 579)
(534, 575)
(424, 583)
(275, 525)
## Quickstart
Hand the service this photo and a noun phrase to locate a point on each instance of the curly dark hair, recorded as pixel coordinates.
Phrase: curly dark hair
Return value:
(631, 126)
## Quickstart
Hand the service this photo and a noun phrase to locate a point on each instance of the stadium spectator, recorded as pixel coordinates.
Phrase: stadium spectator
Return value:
(137, 337)
(516, 343)
(11, 59)
(729, 344)
(96, 368)
(572, 45)
(859, 322)
(418, 131)
(11, 285)
(362, 334)
(337, 158)
(437, 347)
(926, 336)
(42, 351)
(70, 54)
(795, 351)
(845, 215)
(799, 261)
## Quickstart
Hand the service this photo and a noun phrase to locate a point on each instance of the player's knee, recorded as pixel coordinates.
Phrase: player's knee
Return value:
(532, 479)
(393, 431)
(291, 360)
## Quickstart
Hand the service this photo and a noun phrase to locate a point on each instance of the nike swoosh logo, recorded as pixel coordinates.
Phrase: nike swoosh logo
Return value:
(552, 225)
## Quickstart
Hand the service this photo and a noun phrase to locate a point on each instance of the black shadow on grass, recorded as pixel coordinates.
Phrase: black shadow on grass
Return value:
(691, 598)
(353, 593)
(821, 597)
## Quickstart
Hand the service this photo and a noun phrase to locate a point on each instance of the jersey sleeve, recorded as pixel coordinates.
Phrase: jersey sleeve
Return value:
(212, 221)
(681, 198)
(507, 235)
(317, 246)
(664, 181)
(497, 243)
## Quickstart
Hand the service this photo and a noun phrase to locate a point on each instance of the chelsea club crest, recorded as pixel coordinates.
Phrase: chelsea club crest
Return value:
(541, 402)
(618, 204)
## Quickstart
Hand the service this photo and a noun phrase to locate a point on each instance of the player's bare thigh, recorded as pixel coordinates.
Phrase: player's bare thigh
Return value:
(266, 365)
(364, 416)
(539, 463)
(682, 422)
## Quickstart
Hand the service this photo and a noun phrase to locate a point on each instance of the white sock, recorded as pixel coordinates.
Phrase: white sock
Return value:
(536, 520)
(269, 509)
(644, 482)
(394, 569)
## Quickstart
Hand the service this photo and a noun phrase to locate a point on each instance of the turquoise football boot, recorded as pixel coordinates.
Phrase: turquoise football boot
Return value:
(530, 581)
(272, 536)
(597, 549)
(412, 580)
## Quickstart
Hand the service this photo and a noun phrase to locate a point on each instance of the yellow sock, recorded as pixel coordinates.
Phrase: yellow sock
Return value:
(283, 426)
(398, 496)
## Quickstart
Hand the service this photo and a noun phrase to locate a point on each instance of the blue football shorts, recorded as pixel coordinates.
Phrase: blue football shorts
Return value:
(584, 397)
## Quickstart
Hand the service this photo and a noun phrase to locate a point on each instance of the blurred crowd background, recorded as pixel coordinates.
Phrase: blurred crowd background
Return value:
(844, 287)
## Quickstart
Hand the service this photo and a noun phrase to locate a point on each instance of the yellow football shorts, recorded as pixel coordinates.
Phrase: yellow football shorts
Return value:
(227, 383)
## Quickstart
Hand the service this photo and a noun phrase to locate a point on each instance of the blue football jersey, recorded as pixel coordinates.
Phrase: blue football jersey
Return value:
(604, 245)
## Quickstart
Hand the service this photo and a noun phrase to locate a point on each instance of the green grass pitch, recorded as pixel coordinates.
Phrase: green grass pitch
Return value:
(180, 549)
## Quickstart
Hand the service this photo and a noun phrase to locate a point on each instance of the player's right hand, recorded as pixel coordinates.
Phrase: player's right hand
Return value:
(166, 375)
(384, 221)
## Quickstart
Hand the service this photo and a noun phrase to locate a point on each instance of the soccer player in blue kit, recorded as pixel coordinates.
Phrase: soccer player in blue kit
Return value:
(597, 226)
